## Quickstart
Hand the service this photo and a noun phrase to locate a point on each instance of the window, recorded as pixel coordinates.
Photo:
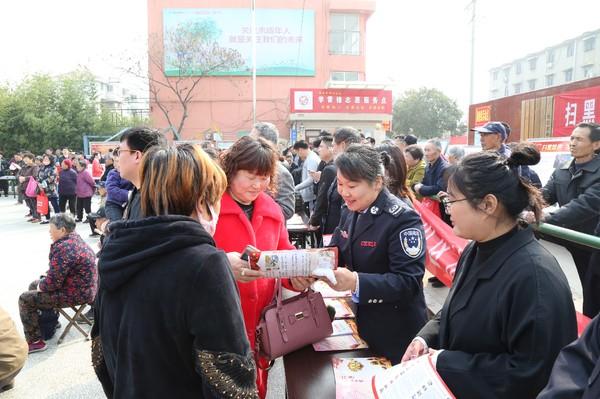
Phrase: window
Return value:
(549, 80)
(495, 75)
(347, 76)
(506, 73)
(588, 71)
(517, 88)
(344, 36)
(531, 84)
(589, 44)
(550, 57)
(569, 75)
(518, 68)
(570, 49)
(532, 64)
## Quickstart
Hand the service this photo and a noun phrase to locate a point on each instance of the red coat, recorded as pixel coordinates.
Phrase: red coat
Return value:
(266, 232)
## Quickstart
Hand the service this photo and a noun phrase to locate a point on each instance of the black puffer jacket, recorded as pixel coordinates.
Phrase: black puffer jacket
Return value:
(169, 316)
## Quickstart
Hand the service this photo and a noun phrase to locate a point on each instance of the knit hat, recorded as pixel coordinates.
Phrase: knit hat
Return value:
(68, 163)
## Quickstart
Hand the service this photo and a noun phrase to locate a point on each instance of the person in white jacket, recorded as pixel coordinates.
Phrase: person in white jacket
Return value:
(310, 164)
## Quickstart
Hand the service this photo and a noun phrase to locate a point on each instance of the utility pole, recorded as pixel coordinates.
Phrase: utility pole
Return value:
(473, 5)
(253, 2)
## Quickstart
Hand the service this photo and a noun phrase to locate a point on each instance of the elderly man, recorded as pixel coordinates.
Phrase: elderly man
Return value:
(433, 182)
(493, 135)
(575, 186)
(285, 182)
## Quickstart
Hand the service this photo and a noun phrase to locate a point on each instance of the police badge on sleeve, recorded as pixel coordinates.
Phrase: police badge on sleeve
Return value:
(412, 242)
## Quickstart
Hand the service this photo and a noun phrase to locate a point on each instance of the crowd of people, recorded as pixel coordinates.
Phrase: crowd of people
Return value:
(176, 305)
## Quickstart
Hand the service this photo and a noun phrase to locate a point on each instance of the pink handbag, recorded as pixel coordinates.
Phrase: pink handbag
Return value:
(32, 188)
(288, 325)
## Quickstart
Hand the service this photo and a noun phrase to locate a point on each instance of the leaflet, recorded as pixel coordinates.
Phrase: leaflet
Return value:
(413, 379)
(353, 375)
(343, 327)
(316, 262)
(340, 343)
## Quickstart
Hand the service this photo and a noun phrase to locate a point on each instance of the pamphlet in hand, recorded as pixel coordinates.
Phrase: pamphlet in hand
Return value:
(353, 375)
(314, 262)
(413, 379)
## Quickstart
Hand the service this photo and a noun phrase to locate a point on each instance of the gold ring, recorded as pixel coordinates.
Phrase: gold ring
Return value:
(243, 272)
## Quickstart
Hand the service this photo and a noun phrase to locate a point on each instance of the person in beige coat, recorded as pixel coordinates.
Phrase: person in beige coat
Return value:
(13, 351)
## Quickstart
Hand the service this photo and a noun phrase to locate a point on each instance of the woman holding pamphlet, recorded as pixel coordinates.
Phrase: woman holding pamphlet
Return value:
(381, 253)
(249, 216)
(510, 310)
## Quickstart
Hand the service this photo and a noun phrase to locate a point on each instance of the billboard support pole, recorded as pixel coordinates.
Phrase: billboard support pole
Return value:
(253, 62)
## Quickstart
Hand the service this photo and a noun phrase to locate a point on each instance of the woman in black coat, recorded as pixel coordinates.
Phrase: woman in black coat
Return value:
(168, 311)
(510, 310)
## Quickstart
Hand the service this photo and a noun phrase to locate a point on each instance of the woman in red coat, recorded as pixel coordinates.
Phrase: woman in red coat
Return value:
(249, 216)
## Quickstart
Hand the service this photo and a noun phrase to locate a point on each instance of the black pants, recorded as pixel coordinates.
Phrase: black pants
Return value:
(591, 286)
(62, 203)
(32, 204)
(4, 187)
(581, 257)
(54, 202)
(83, 203)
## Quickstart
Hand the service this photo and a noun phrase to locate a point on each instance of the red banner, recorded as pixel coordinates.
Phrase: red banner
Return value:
(444, 249)
(443, 246)
(353, 101)
(574, 107)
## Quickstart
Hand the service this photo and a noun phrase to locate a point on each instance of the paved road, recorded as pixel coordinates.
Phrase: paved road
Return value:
(63, 372)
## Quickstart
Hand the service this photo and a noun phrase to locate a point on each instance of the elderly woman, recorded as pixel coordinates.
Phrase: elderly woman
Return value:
(510, 310)
(168, 313)
(250, 216)
(47, 181)
(70, 280)
(382, 254)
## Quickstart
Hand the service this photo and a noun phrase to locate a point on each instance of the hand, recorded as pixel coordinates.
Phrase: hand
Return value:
(528, 216)
(302, 283)
(21, 179)
(313, 228)
(316, 176)
(241, 270)
(414, 350)
(418, 188)
(346, 280)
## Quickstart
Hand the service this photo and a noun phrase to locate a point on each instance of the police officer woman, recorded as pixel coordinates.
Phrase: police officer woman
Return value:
(382, 253)
(510, 310)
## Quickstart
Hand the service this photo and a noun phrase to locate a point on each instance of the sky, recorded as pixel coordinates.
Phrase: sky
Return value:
(410, 44)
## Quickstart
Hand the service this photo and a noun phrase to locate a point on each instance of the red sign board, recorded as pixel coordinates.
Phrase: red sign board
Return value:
(574, 107)
(483, 115)
(353, 101)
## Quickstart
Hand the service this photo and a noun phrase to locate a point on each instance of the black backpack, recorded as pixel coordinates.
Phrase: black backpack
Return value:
(48, 321)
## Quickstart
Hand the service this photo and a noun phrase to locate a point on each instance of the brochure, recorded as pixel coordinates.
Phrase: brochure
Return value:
(342, 309)
(316, 262)
(340, 343)
(413, 379)
(353, 375)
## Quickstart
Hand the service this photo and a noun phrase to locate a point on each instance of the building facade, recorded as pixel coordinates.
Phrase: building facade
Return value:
(300, 44)
(572, 60)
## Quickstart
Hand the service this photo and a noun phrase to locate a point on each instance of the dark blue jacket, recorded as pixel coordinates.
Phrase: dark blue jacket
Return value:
(433, 182)
(386, 247)
(117, 188)
(67, 183)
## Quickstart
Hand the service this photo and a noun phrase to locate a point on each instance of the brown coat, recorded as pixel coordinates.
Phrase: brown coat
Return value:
(13, 348)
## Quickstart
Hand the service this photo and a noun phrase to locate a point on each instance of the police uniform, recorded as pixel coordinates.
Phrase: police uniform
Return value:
(385, 245)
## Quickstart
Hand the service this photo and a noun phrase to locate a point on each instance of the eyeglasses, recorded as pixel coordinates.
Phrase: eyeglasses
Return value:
(118, 151)
(448, 204)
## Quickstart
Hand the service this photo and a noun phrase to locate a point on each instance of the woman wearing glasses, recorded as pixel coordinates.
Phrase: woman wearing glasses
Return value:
(510, 310)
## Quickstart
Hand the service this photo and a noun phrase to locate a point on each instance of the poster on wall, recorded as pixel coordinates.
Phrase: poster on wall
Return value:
(574, 107)
(285, 38)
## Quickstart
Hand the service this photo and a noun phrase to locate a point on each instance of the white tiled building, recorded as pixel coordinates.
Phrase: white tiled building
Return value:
(574, 59)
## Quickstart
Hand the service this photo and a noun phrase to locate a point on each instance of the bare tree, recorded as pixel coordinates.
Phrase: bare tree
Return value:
(188, 53)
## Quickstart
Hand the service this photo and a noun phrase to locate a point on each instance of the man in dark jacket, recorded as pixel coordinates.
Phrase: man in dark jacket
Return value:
(134, 143)
(433, 182)
(577, 368)
(326, 179)
(575, 186)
